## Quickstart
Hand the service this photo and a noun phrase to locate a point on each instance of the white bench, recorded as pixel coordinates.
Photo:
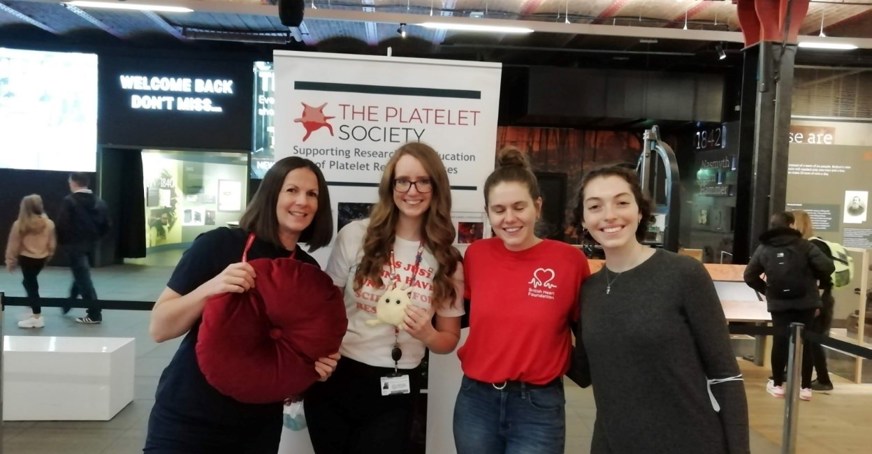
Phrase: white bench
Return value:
(66, 378)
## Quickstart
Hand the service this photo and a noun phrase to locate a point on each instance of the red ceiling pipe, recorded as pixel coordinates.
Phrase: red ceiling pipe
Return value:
(764, 20)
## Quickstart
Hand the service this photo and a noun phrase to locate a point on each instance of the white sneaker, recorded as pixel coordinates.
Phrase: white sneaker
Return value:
(32, 322)
(777, 391)
(805, 394)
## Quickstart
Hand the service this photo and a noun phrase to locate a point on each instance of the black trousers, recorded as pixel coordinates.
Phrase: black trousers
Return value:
(781, 344)
(821, 325)
(348, 415)
(30, 268)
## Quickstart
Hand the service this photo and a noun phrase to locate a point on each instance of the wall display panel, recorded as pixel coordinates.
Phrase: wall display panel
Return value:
(263, 140)
(188, 193)
(164, 103)
(831, 183)
(48, 110)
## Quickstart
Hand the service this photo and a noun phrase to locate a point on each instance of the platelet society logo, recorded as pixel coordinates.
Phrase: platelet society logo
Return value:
(313, 119)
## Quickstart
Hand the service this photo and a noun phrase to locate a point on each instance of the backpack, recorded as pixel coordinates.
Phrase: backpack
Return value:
(843, 261)
(786, 272)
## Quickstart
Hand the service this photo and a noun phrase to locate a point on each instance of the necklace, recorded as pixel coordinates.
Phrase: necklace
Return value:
(609, 280)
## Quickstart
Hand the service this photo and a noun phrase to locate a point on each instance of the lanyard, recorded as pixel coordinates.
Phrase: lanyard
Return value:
(396, 351)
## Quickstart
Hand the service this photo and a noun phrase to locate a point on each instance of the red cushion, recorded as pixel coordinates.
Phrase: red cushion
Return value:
(260, 346)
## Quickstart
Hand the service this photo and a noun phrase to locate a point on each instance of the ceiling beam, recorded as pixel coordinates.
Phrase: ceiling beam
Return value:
(370, 26)
(25, 18)
(93, 20)
(303, 30)
(539, 26)
(447, 11)
(164, 25)
(530, 7)
(689, 13)
(609, 11)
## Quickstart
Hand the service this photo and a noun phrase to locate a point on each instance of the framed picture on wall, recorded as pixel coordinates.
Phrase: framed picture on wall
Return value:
(229, 195)
(471, 226)
(152, 198)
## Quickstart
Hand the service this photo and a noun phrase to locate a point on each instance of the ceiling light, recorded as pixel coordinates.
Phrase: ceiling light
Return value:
(721, 54)
(475, 27)
(131, 6)
(242, 37)
(826, 46)
(402, 30)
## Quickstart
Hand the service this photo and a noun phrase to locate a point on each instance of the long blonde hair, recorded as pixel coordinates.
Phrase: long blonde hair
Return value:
(437, 230)
(802, 222)
(31, 216)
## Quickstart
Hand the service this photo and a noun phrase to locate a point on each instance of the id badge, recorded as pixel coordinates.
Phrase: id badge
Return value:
(395, 384)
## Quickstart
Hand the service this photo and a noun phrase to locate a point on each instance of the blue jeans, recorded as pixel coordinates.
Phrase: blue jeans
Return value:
(518, 421)
(82, 283)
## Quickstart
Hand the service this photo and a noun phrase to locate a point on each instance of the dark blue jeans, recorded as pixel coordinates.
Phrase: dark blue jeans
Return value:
(518, 421)
(78, 258)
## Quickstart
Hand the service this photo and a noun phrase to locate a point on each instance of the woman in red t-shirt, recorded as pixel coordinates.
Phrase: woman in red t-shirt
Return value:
(523, 293)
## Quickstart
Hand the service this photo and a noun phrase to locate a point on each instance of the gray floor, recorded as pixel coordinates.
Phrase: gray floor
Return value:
(125, 433)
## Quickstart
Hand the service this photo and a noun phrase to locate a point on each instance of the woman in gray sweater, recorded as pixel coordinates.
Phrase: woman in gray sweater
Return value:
(664, 375)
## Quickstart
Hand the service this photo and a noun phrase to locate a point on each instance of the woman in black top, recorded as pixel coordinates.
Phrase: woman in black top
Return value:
(189, 415)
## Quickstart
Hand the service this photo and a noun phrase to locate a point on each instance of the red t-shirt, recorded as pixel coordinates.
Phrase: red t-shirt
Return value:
(521, 304)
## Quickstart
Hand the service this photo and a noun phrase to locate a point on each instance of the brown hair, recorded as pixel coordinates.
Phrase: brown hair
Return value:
(802, 222)
(31, 215)
(437, 228)
(632, 179)
(512, 166)
(260, 215)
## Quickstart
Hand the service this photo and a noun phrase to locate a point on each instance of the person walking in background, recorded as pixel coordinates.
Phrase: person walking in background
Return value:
(823, 318)
(523, 293)
(291, 206)
(404, 245)
(794, 270)
(82, 221)
(655, 336)
(31, 244)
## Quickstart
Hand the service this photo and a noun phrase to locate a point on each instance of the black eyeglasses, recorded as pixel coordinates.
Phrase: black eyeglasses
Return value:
(403, 185)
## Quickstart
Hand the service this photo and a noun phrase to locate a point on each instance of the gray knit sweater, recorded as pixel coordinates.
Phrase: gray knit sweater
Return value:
(652, 343)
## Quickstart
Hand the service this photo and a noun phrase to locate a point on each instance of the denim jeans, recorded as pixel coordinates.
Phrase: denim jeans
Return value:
(521, 421)
(82, 282)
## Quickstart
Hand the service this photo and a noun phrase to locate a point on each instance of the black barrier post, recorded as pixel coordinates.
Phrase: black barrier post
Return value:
(791, 396)
(2, 357)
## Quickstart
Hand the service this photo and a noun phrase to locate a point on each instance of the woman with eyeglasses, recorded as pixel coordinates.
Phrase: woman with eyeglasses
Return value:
(405, 244)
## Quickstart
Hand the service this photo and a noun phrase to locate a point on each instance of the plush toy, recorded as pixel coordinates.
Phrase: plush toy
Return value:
(391, 307)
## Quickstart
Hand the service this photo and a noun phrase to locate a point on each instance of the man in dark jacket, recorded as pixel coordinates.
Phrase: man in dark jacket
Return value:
(82, 221)
(789, 302)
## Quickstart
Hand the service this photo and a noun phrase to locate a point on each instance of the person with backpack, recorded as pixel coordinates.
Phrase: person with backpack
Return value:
(794, 270)
(82, 221)
(824, 317)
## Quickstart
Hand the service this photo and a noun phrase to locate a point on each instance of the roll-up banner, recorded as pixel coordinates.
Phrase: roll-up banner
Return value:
(349, 113)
